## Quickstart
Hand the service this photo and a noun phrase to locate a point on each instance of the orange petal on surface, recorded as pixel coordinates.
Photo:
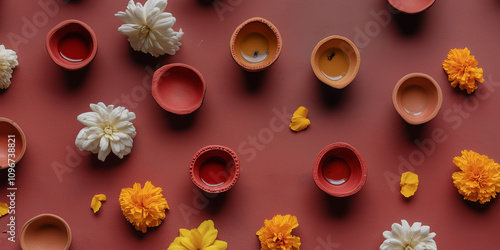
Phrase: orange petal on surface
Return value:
(299, 119)
(96, 202)
(408, 184)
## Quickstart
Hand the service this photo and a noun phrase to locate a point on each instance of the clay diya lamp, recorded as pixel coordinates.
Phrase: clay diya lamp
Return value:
(12, 144)
(411, 6)
(255, 44)
(417, 97)
(339, 170)
(71, 44)
(215, 169)
(45, 232)
(335, 61)
(178, 88)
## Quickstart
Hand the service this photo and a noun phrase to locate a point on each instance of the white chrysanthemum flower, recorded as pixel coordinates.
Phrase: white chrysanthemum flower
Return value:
(404, 237)
(8, 61)
(149, 29)
(108, 129)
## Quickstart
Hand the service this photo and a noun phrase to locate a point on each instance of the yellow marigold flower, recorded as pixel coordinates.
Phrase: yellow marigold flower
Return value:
(4, 209)
(462, 68)
(479, 179)
(408, 184)
(143, 207)
(95, 204)
(276, 234)
(299, 119)
(201, 238)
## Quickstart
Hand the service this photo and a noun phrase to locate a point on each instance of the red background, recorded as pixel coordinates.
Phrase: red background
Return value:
(242, 108)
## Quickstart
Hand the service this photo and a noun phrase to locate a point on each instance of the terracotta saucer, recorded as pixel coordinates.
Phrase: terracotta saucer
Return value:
(215, 169)
(178, 88)
(255, 44)
(411, 6)
(45, 232)
(71, 44)
(12, 144)
(417, 97)
(335, 61)
(339, 170)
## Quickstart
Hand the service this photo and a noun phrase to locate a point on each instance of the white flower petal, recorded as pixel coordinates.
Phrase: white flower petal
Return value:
(148, 28)
(108, 129)
(8, 61)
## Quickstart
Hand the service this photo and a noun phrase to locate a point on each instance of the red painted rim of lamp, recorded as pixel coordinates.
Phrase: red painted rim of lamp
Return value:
(358, 170)
(411, 8)
(66, 27)
(183, 79)
(259, 67)
(225, 153)
(432, 88)
(9, 127)
(42, 221)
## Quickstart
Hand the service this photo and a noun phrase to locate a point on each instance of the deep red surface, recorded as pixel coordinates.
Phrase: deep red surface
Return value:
(74, 47)
(214, 171)
(250, 113)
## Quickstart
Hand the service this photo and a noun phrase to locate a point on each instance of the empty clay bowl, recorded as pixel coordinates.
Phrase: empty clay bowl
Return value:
(71, 44)
(12, 143)
(417, 97)
(335, 61)
(215, 169)
(178, 88)
(255, 44)
(411, 6)
(45, 232)
(339, 170)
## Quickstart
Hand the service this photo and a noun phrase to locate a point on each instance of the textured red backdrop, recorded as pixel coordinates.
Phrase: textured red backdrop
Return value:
(249, 112)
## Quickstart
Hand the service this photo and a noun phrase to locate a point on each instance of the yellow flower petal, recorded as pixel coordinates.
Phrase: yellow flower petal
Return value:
(408, 184)
(4, 209)
(299, 119)
(203, 237)
(95, 204)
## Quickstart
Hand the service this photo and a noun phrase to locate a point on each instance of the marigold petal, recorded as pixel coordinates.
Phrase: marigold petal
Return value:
(4, 209)
(95, 204)
(299, 120)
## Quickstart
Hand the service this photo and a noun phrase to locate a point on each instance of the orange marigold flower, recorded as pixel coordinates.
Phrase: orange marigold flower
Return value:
(143, 207)
(276, 234)
(479, 179)
(462, 68)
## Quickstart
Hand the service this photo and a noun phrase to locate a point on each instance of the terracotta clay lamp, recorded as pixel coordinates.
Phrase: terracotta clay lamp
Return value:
(335, 61)
(178, 88)
(417, 97)
(215, 169)
(255, 44)
(45, 232)
(71, 44)
(12, 144)
(339, 170)
(411, 6)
